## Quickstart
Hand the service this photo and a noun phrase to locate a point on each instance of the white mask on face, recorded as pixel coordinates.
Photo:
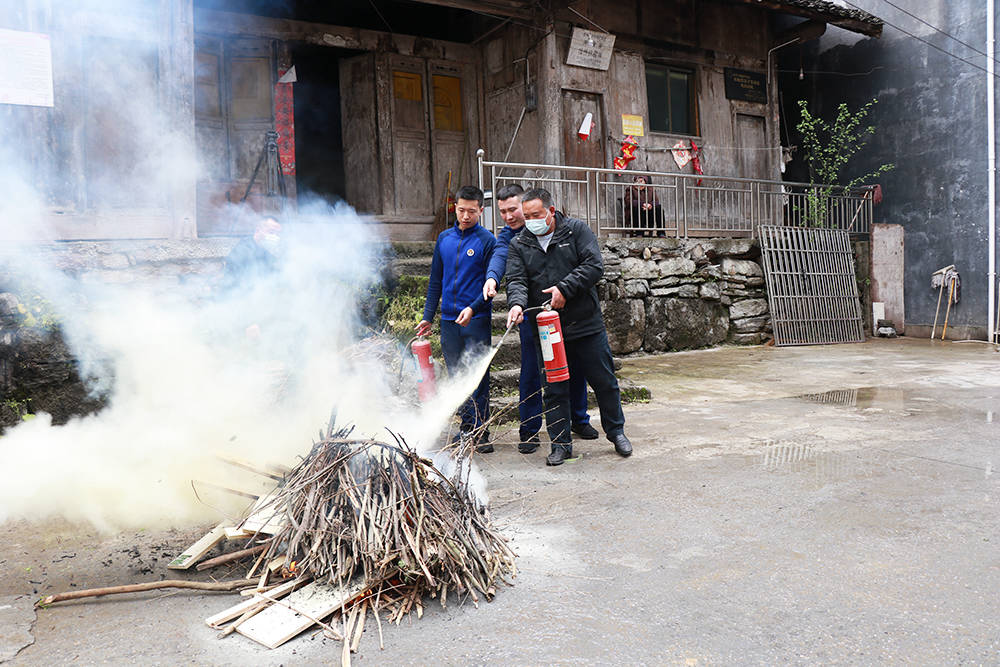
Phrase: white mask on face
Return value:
(539, 227)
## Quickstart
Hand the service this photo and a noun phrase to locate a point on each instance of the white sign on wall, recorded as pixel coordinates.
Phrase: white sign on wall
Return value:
(590, 49)
(26, 68)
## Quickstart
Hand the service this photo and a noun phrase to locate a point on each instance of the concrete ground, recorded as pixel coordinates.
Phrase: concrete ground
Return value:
(808, 505)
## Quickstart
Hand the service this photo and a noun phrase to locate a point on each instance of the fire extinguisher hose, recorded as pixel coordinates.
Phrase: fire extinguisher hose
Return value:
(408, 348)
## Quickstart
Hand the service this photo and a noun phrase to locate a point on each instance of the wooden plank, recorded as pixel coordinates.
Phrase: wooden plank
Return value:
(264, 517)
(196, 551)
(238, 610)
(277, 624)
(236, 533)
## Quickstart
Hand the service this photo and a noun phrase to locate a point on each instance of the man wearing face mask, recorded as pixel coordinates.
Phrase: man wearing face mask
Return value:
(558, 259)
(252, 261)
(529, 404)
(461, 257)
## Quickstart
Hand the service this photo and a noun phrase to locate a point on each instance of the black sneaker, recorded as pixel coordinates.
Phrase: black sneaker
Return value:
(559, 454)
(483, 444)
(585, 431)
(529, 445)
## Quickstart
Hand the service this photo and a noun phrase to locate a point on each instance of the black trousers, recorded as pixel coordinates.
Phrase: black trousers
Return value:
(590, 357)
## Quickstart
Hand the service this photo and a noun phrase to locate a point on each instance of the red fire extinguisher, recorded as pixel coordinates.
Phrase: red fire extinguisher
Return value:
(553, 350)
(426, 385)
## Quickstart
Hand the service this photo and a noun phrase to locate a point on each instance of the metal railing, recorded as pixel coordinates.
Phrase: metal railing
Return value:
(681, 205)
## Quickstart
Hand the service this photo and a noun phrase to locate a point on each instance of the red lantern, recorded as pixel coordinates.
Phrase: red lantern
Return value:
(553, 350)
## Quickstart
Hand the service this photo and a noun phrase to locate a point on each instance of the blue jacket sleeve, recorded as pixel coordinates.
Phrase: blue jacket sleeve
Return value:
(434, 284)
(498, 263)
(489, 252)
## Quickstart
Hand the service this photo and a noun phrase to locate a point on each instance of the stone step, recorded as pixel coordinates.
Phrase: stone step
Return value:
(412, 266)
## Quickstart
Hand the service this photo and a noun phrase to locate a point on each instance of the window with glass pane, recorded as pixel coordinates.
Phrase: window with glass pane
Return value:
(670, 95)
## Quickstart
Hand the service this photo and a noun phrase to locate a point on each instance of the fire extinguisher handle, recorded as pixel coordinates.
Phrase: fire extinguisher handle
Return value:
(545, 306)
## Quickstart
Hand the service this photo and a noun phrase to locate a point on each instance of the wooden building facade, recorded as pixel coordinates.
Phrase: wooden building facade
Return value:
(162, 107)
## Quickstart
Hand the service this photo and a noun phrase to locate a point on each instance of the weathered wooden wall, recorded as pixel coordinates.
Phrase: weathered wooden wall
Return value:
(112, 158)
(704, 36)
(397, 160)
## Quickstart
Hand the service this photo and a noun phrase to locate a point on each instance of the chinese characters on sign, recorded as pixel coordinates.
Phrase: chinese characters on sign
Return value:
(745, 86)
(590, 49)
(632, 124)
(26, 69)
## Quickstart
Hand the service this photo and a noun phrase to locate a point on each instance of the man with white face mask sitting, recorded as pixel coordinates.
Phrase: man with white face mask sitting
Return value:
(559, 260)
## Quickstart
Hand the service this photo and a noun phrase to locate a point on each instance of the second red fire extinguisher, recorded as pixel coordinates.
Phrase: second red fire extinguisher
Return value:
(553, 350)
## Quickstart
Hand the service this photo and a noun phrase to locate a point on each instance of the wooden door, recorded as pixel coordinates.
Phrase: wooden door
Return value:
(572, 198)
(251, 79)
(751, 139)
(357, 104)
(450, 129)
(234, 108)
(411, 155)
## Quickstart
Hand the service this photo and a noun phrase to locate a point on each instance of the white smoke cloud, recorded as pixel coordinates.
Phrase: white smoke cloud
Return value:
(185, 385)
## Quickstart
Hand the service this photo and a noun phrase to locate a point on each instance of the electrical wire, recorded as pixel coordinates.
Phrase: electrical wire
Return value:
(816, 71)
(379, 12)
(939, 30)
(924, 41)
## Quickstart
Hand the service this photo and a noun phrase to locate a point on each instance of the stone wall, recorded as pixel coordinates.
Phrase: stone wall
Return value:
(680, 294)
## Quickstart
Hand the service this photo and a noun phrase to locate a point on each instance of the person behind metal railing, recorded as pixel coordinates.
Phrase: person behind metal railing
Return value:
(642, 209)
(558, 260)
(529, 405)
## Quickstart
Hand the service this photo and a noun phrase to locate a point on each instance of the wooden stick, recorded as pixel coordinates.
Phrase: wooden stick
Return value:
(947, 311)
(230, 557)
(360, 627)
(937, 311)
(149, 586)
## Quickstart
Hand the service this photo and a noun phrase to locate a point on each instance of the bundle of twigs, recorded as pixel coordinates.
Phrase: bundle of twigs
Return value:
(361, 510)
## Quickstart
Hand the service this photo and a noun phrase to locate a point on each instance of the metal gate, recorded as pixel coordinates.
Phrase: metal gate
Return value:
(811, 286)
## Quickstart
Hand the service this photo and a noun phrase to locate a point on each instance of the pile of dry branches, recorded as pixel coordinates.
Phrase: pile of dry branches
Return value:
(361, 510)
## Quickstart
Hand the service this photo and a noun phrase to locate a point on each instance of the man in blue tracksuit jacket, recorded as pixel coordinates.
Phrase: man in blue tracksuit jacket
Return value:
(461, 257)
(529, 405)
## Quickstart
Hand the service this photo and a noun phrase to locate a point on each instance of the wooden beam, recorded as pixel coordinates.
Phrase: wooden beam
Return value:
(508, 8)
(837, 18)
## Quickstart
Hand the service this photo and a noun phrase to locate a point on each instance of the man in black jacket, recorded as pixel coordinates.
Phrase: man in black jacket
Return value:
(559, 260)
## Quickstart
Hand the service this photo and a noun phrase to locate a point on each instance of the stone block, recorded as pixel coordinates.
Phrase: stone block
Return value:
(710, 291)
(748, 338)
(682, 324)
(634, 268)
(750, 324)
(741, 247)
(625, 320)
(9, 306)
(747, 308)
(636, 288)
(710, 271)
(684, 291)
(741, 267)
(676, 266)
(669, 281)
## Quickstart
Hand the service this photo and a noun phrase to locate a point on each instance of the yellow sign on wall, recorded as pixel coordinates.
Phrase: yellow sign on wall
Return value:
(632, 124)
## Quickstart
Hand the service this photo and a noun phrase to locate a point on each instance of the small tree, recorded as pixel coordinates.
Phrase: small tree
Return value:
(828, 148)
